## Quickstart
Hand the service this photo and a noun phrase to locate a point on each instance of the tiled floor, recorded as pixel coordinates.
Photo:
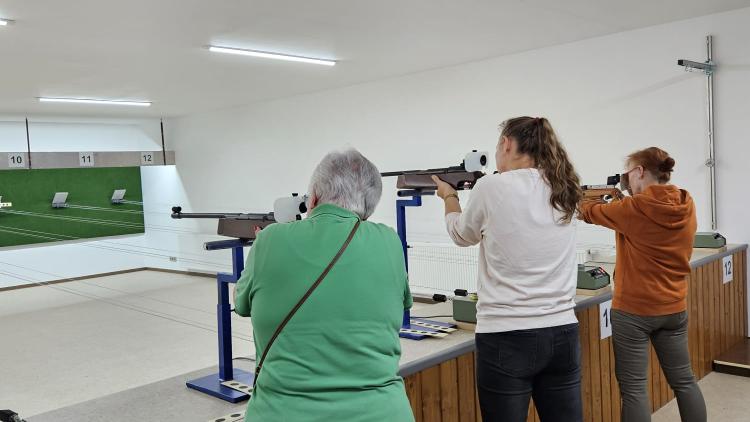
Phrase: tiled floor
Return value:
(727, 399)
(60, 347)
(107, 349)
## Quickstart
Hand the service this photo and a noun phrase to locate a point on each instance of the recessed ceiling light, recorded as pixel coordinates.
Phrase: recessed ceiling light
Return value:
(91, 101)
(268, 55)
(4, 22)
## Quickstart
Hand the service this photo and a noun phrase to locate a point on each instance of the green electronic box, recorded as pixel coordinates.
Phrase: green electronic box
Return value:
(709, 240)
(592, 278)
(465, 308)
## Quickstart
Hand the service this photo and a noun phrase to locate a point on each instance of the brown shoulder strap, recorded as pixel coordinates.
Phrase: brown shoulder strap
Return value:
(303, 299)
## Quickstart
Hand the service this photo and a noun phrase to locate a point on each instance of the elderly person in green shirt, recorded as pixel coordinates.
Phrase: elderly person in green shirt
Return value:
(337, 358)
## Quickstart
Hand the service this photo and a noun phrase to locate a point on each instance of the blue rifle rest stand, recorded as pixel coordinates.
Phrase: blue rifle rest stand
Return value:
(211, 384)
(401, 204)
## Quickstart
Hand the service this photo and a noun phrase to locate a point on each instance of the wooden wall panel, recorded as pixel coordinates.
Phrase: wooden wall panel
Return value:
(449, 391)
(595, 364)
(717, 321)
(414, 392)
(700, 356)
(695, 321)
(583, 330)
(467, 409)
(724, 312)
(430, 378)
(604, 361)
(744, 293)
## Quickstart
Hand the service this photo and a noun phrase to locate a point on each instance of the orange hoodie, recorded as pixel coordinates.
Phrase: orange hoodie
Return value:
(655, 232)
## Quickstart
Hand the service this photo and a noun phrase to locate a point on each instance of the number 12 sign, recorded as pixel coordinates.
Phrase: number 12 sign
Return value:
(727, 268)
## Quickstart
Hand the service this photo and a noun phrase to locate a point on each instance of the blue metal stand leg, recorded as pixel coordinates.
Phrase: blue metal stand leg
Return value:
(211, 384)
(401, 205)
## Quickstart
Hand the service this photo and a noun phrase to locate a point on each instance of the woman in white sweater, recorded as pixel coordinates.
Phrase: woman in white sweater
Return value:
(527, 331)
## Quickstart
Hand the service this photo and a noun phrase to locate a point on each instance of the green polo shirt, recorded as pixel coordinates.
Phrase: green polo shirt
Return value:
(338, 358)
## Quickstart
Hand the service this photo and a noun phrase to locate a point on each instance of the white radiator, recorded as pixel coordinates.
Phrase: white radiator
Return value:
(442, 268)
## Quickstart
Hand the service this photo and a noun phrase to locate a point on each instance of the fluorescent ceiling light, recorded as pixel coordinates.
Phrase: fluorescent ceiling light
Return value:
(4, 22)
(90, 101)
(267, 55)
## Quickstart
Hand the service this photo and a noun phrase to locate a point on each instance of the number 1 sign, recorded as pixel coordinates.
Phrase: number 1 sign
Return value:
(605, 319)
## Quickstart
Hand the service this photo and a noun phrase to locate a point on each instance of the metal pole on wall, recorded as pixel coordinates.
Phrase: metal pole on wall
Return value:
(708, 67)
(163, 149)
(28, 144)
(711, 162)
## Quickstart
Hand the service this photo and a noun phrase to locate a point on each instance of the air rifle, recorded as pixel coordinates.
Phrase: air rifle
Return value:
(461, 177)
(603, 193)
(243, 226)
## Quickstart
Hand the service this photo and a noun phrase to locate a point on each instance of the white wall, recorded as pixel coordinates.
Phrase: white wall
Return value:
(606, 97)
(181, 239)
(73, 259)
(60, 134)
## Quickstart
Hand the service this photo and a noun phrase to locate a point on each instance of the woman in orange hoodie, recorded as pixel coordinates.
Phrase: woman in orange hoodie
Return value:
(655, 227)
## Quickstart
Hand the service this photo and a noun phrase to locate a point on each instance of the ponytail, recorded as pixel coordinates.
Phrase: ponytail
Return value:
(537, 138)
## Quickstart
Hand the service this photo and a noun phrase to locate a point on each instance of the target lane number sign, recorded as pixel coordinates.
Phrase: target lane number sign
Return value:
(605, 319)
(727, 269)
(16, 160)
(86, 159)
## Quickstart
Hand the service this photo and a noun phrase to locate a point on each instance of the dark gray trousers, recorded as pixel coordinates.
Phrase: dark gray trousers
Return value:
(668, 333)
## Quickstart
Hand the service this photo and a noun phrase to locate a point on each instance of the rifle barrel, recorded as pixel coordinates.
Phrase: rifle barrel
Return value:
(441, 170)
(236, 216)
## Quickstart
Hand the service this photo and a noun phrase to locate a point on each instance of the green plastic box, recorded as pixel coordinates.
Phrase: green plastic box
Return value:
(709, 240)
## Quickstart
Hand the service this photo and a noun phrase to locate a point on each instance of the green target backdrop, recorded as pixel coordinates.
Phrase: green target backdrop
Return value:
(90, 213)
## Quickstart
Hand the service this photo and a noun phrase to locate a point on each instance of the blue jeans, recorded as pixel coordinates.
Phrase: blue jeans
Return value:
(542, 363)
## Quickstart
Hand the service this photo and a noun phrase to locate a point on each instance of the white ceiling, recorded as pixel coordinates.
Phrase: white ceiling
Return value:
(154, 49)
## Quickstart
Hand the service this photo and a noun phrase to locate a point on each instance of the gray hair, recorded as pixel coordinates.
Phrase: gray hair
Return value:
(347, 179)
